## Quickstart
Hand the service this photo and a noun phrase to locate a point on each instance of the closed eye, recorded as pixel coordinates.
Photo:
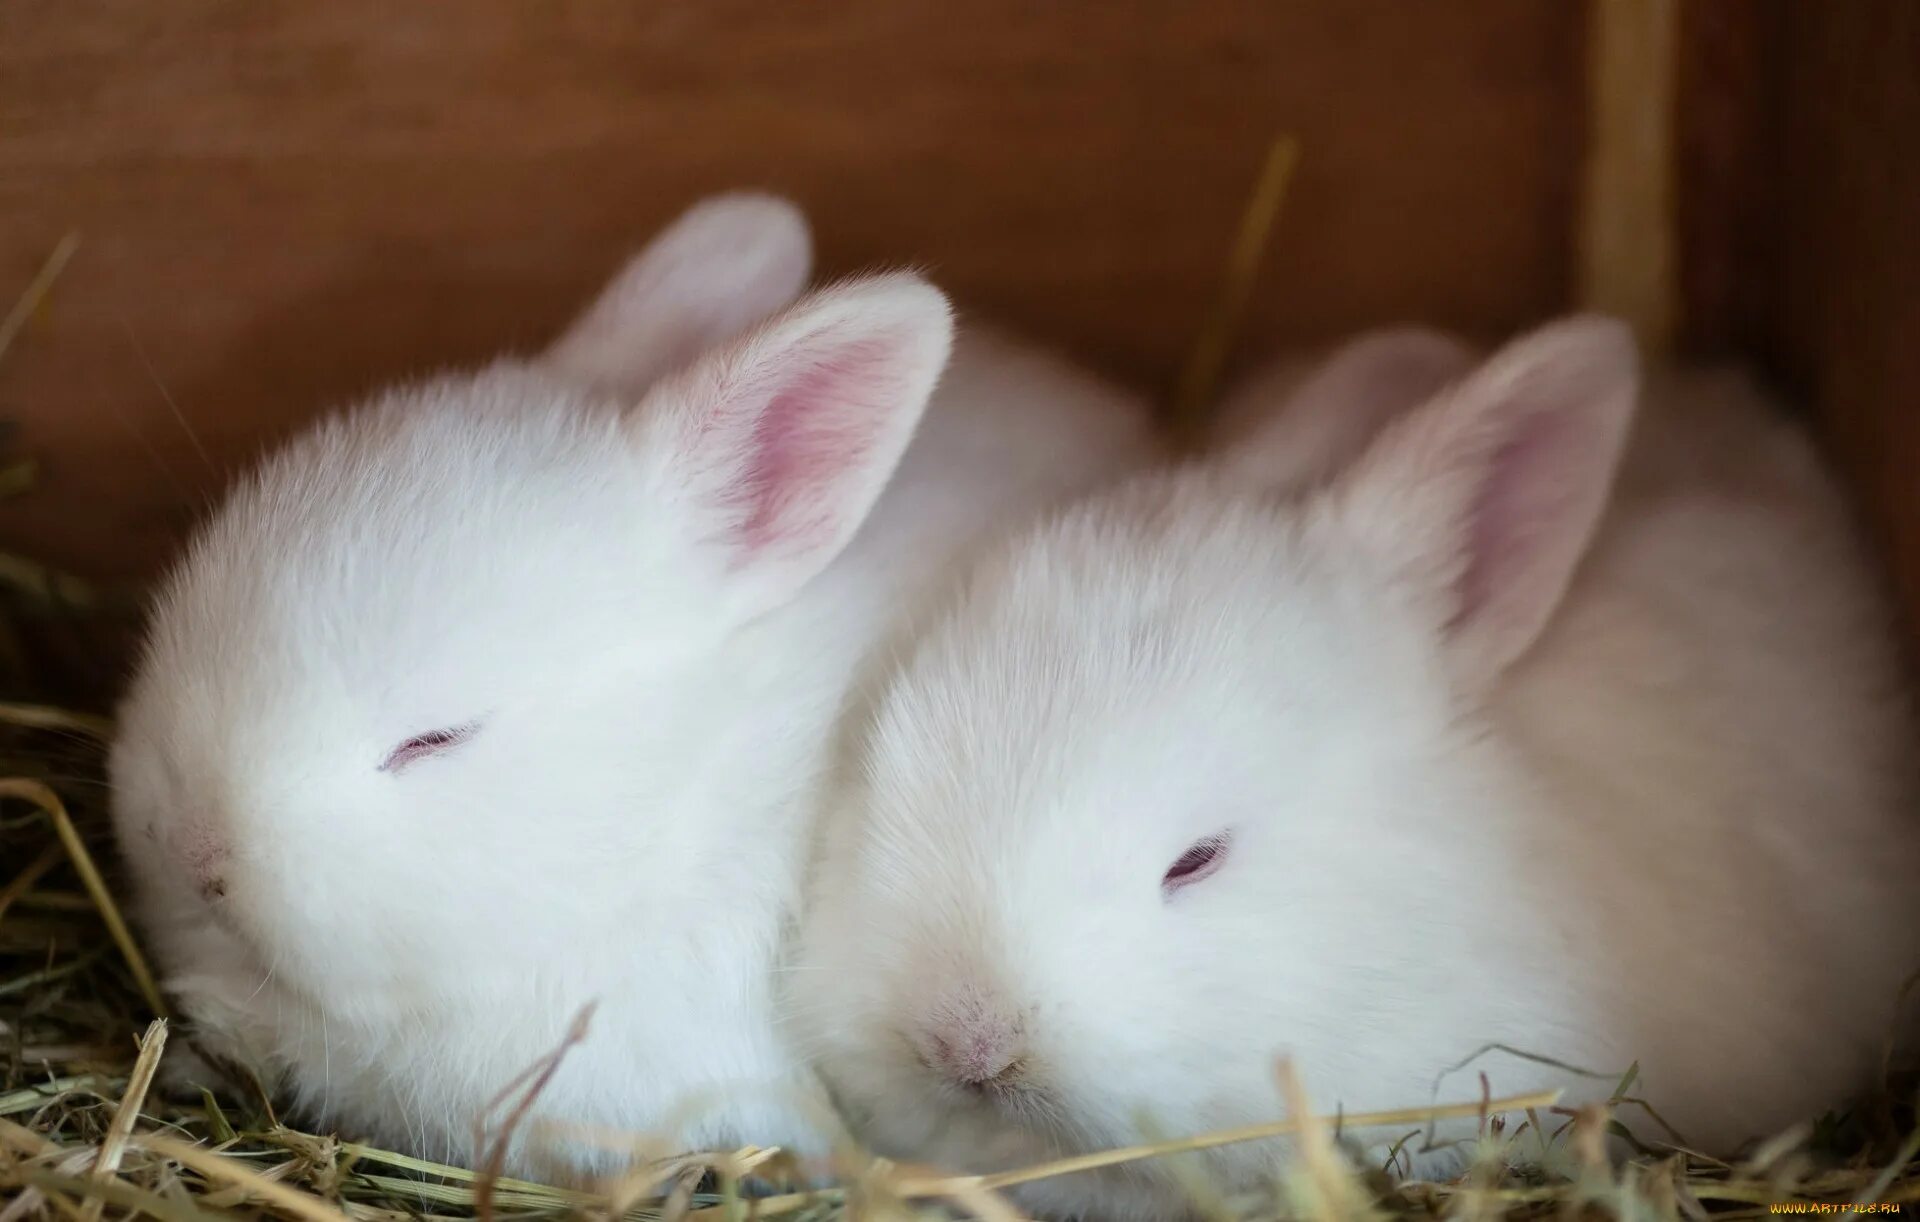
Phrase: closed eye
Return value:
(1202, 858)
(431, 743)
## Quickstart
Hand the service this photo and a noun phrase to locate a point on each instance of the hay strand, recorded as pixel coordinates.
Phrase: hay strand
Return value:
(30, 301)
(46, 585)
(114, 1147)
(56, 810)
(1200, 380)
(1286, 1127)
(527, 1086)
(23, 882)
(236, 1173)
(42, 717)
(1325, 1191)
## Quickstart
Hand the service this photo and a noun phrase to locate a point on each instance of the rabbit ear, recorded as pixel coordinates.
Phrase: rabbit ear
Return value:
(1483, 500)
(724, 265)
(783, 440)
(1327, 416)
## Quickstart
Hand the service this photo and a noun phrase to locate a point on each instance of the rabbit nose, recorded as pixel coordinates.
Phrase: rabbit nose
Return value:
(205, 856)
(972, 1044)
(974, 1059)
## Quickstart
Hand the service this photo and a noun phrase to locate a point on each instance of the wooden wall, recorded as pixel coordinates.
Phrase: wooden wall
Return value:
(1840, 164)
(284, 203)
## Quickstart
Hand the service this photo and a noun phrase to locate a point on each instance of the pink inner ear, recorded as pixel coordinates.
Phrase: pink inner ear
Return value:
(1525, 493)
(820, 422)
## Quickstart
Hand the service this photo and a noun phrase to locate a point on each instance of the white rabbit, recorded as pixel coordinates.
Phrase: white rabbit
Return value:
(1413, 759)
(512, 691)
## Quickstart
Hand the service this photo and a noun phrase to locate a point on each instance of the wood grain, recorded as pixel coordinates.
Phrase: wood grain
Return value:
(1725, 178)
(285, 203)
(1843, 315)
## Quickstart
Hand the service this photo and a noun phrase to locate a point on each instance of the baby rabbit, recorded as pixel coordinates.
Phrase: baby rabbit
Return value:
(511, 690)
(1429, 741)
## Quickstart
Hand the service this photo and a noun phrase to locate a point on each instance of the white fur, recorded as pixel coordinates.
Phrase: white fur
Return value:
(1666, 818)
(629, 563)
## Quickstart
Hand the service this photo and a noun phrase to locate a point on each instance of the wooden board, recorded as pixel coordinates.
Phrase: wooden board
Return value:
(1720, 142)
(1842, 264)
(284, 203)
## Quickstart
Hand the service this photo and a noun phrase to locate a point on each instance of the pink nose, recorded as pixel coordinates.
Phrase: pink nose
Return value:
(972, 1044)
(205, 856)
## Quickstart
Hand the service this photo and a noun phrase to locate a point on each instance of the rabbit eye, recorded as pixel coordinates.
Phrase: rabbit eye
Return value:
(431, 743)
(1202, 858)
